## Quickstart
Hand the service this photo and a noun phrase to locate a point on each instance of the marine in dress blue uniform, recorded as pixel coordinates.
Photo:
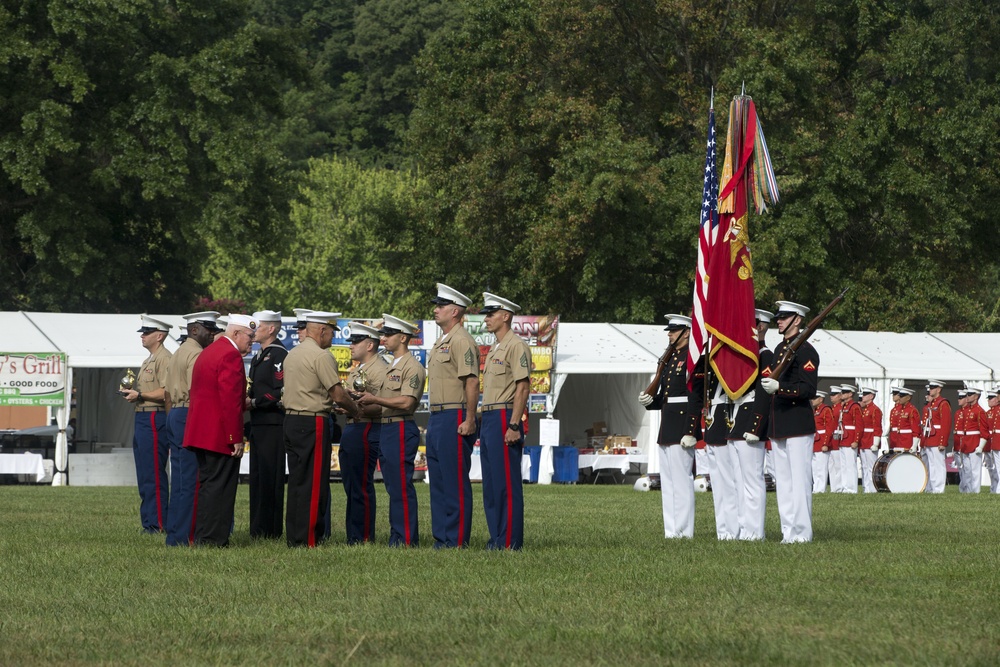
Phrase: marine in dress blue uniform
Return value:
(453, 381)
(506, 385)
(149, 440)
(201, 330)
(359, 444)
(399, 439)
(267, 415)
(792, 425)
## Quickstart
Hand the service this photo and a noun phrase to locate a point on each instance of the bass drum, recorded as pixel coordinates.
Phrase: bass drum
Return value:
(899, 472)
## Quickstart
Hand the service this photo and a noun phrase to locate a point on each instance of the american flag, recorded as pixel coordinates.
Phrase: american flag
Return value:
(709, 231)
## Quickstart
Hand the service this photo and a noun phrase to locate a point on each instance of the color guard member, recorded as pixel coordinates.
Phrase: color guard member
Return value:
(723, 464)
(748, 437)
(359, 444)
(871, 437)
(992, 451)
(936, 427)
(792, 427)
(149, 440)
(399, 438)
(453, 387)
(267, 440)
(823, 415)
(201, 329)
(852, 421)
(506, 385)
(312, 387)
(680, 429)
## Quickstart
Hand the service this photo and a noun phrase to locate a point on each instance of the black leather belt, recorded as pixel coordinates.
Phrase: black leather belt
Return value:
(149, 409)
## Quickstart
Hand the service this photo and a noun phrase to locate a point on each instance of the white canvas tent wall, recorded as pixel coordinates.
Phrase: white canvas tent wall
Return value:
(99, 348)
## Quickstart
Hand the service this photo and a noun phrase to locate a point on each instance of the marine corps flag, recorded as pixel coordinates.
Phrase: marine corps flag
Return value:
(729, 313)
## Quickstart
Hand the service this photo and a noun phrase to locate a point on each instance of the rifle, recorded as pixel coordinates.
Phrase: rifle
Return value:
(803, 336)
(654, 386)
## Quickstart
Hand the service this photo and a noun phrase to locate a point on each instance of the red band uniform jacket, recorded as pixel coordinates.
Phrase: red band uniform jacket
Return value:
(936, 423)
(824, 427)
(871, 420)
(218, 391)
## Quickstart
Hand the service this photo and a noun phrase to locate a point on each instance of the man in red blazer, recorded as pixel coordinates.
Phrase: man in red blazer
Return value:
(214, 428)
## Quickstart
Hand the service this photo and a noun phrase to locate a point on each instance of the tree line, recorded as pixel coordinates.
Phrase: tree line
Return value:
(348, 155)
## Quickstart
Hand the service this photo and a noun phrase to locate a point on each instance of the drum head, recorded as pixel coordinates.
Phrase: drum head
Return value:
(906, 474)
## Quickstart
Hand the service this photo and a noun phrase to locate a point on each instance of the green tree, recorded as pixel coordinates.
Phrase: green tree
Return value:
(132, 130)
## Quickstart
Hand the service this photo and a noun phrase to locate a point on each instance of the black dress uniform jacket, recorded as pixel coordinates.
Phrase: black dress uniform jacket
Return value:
(678, 418)
(791, 413)
(752, 417)
(719, 415)
(267, 375)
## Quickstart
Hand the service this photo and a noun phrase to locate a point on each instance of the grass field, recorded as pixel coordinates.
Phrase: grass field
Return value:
(889, 580)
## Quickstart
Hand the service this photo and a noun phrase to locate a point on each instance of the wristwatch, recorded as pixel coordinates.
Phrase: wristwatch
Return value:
(514, 427)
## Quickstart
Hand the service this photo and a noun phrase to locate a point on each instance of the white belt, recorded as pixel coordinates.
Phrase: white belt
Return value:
(909, 430)
(959, 432)
(824, 431)
(677, 399)
(850, 428)
(869, 430)
(746, 398)
(720, 401)
(996, 430)
(972, 433)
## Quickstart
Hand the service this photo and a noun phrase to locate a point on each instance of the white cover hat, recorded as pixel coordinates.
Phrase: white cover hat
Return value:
(835, 389)
(786, 308)
(208, 319)
(361, 331)
(446, 295)
(905, 391)
(675, 322)
(934, 383)
(763, 315)
(394, 325)
(267, 316)
(868, 390)
(820, 392)
(493, 303)
(848, 387)
(322, 317)
(152, 324)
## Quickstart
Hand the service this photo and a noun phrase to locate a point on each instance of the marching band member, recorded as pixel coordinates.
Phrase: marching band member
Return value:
(958, 453)
(823, 415)
(871, 435)
(852, 423)
(973, 443)
(935, 429)
(992, 451)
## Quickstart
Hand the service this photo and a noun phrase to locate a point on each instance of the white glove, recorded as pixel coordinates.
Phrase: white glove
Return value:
(884, 449)
(645, 399)
(689, 441)
(751, 438)
(915, 449)
(982, 446)
(770, 385)
(876, 443)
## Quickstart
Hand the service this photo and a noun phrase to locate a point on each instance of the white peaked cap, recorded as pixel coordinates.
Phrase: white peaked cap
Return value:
(675, 321)
(868, 390)
(848, 387)
(267, 316)
(153, 324)
(763, 315)
(392, 325)
(785, 307)
(359, 330)
(322, 317)
(208, 318)
(492, 303)
(446, 295)
(935, 383)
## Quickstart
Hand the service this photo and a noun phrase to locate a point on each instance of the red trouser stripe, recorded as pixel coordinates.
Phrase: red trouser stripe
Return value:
(156, 467)
(317, 469)
(364, 480)
(510, 488)
(461, 487)
(402, 481)
(194, 510)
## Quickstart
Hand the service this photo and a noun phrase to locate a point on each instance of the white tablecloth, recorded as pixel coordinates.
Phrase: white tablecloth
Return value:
(620, 462)
(22, 464)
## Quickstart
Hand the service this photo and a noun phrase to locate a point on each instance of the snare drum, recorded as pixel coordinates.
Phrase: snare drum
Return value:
(899, 472)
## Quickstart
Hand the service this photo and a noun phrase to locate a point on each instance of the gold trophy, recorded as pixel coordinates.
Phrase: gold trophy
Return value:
(360, 384)
(127, 382)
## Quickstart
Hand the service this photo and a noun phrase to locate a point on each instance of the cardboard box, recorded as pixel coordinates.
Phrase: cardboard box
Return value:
(600, 428)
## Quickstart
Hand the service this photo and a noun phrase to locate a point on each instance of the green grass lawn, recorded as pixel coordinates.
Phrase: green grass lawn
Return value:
(889, 580)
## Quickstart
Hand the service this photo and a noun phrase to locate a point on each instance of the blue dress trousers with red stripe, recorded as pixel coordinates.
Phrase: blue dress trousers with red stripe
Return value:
(307, 444)
(150, 449)
(503, 495)
(359, 450)
(398, 448)
(183, 481)
(449, 458)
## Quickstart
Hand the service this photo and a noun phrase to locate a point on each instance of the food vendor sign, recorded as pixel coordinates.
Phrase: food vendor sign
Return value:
(32, 378)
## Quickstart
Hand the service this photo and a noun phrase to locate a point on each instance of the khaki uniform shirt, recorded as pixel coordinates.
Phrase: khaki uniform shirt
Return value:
(405, 377)
(508, 362)
(454, 357)
(153, 376)
(179, 372)
(374, 375)
(310, 373)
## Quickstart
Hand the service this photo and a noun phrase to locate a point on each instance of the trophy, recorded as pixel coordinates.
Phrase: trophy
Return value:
(360, 383)
(127, 382)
